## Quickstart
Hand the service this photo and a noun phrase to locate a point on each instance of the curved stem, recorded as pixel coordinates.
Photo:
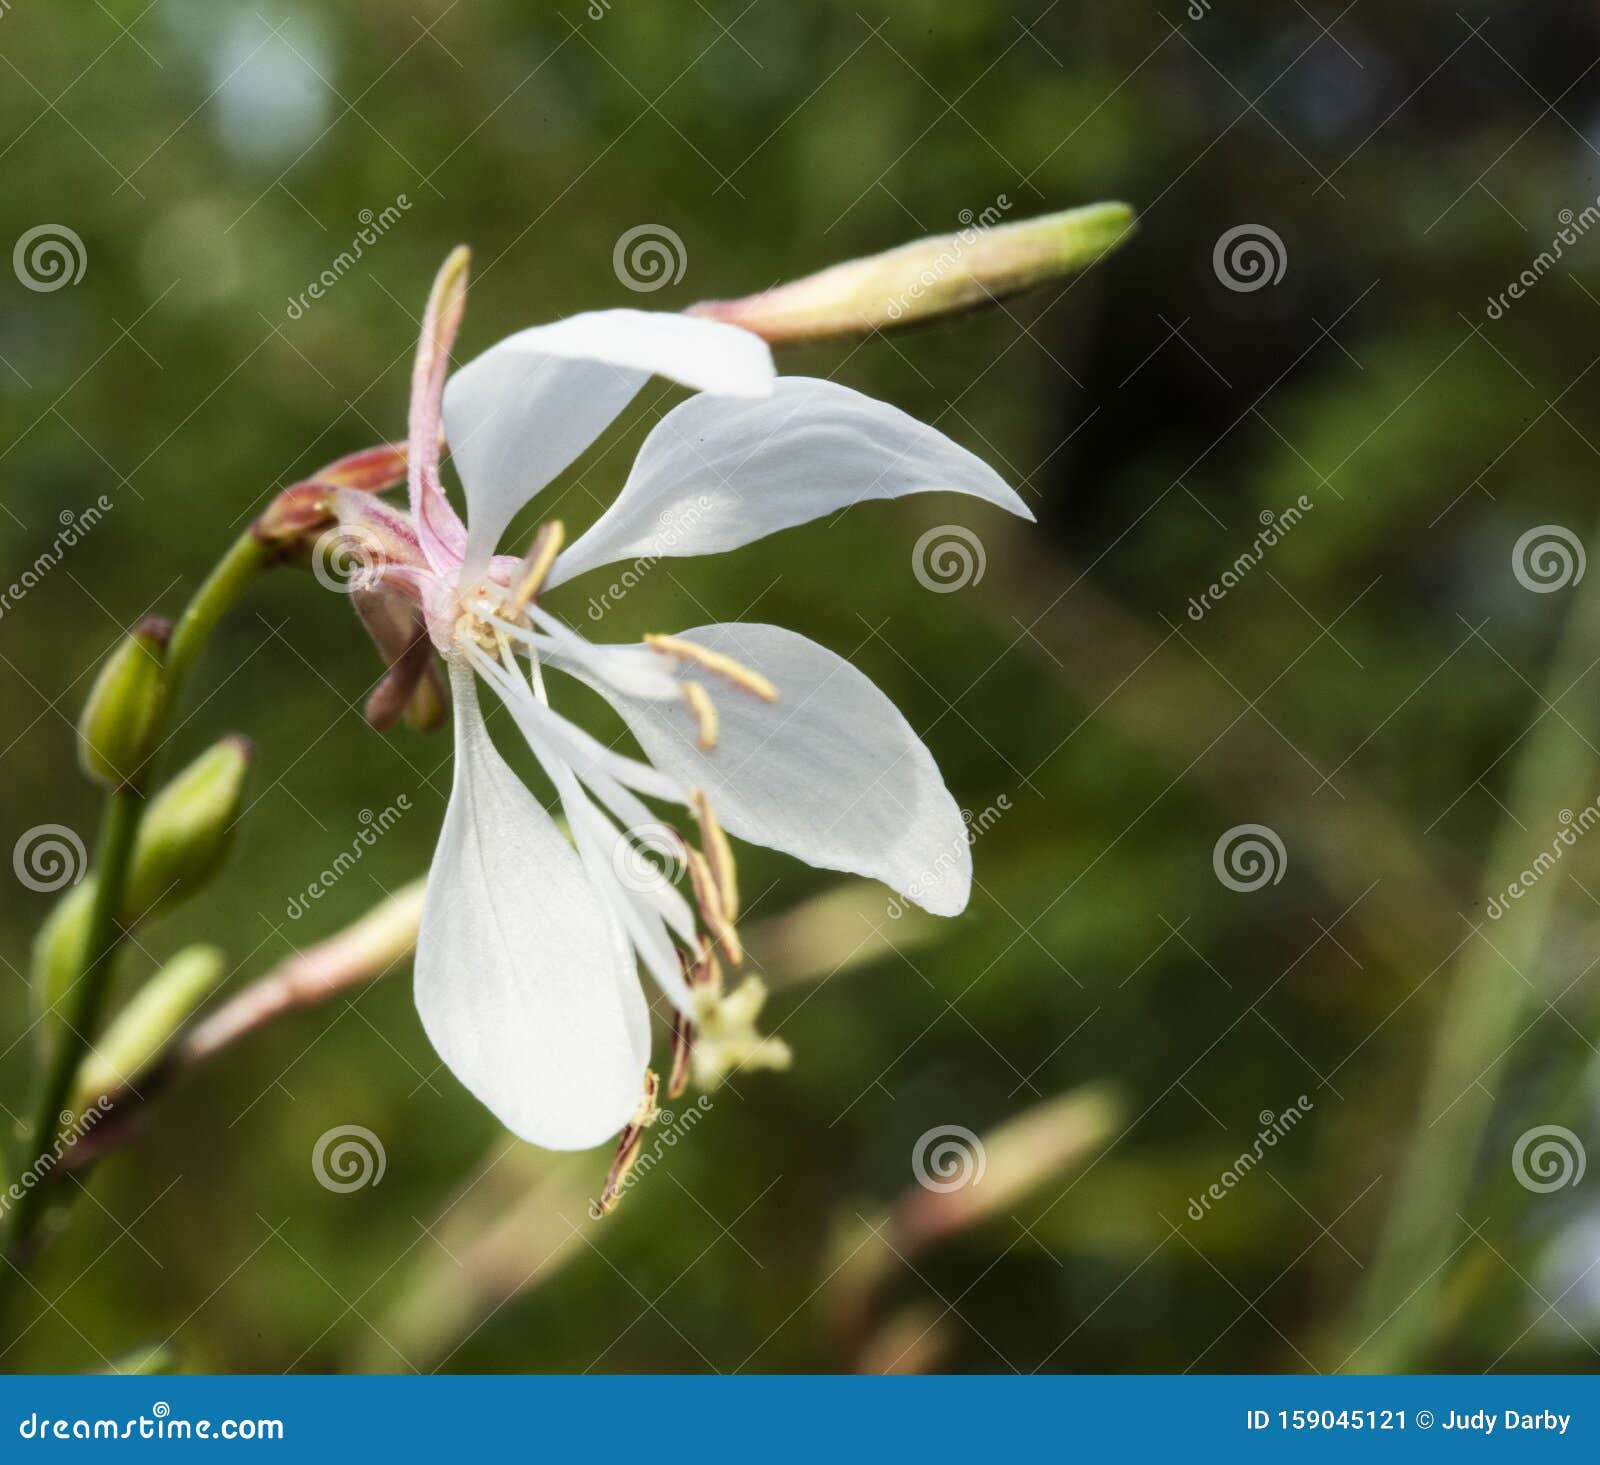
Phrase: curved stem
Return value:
(118, 831)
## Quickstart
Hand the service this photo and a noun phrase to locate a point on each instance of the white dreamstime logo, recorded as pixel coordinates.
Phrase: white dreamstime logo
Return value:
(948, 557)
(48, 857)
(1548, 557)
(1548, 1157)
(948, 1157)
(1249, 856)
(344, 562)
(1249, 257)
(49, 256)
(348, 1157)
(649, 256)
(648, 858)
(374, 225)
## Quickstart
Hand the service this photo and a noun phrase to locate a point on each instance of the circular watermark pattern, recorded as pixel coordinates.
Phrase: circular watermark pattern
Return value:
(49, 857)
(1548, 1157)
(348, 1157)
(344, 562)
(948, 557)
(648, 256)
(1249, 856)
(1249, 257)
(648, 858)
(49, 256)
(948, 1157)
(1548, 557)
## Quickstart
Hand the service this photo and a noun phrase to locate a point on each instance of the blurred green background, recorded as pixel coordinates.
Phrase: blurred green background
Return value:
(1363, 692)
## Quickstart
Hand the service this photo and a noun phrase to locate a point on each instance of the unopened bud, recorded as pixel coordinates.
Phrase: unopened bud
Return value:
(117, 731)
(182, 838)
(979, 265)
(187, 828)
(58, 953)
(145, 1028)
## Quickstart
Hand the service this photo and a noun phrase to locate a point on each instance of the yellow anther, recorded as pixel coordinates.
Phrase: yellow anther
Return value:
(735, 672)
(535, 567)
(709, 900)
(628, 1144)
(704, 712)
(718, 852)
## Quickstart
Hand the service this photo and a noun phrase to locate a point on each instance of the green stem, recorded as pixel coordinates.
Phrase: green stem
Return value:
(245, 559)
(118, 831)
(1501, 974)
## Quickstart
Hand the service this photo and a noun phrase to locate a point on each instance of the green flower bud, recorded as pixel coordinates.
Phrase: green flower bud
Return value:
(142, 1031)
(186, 829)
(117, 731)
(58, 948)
(181, 842)
(979, 265)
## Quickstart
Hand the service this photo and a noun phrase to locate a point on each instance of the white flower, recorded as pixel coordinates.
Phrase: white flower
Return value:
(527, 965)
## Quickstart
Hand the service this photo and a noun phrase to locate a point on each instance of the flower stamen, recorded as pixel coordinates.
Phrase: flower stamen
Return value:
(628, 1144)
(535, 568)
(735, 672)
(718, 852)
(704, 712)
(709, 900)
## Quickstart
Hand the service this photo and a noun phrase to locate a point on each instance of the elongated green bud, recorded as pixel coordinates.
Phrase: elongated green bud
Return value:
(58, 948)
(143, 1030)
(182, 839)
(978, 265)
(187, 828)
(117, 731)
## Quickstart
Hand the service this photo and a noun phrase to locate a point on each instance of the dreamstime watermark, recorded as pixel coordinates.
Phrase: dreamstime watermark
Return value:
(648, 858)
(74, 525)
(668, 1128)
(1273, 1128)
(1249, 257)
(373, 227)
(1273, 528)
(158, 1424)
(373, 827)
(348, 1157)
(1548, 1157)
(1580, 823)
(972, 229)
(47, 257)
(950, 858)
(649, 256)
(346, 561)
(48, 858)
(1573, 228)
(1249, 856)
(73, 1129)
(948, 557)
(1548, 557)
(671, 525)
(948, 1157)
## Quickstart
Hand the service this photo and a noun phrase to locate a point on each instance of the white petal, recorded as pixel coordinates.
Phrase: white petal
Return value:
(521, 412)
(715, 474)
(522, 981)
(830, 773)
